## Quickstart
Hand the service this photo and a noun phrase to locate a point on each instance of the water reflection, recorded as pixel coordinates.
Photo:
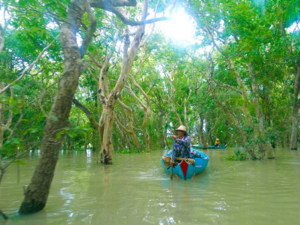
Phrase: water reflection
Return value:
(88, 158)
(34, 153)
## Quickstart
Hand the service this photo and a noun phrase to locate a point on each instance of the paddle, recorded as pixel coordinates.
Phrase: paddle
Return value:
(172, 164)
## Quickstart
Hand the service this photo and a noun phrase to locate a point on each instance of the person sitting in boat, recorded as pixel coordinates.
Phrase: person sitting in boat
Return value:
(217, 142)
(182, 144)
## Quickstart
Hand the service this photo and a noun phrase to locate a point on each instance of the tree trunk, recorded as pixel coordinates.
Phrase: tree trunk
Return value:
(108, 103)
(130, 125)
(37, 192)
(295, 121)
(236, 123)
(146, 112)
(260, 132)
(2, 106)
(123, 138)
(209, 129)
(201, 134)
(106, 127)
(161, 131)
(147, 140)
(270, 151)
(95, 141)
(185, 109)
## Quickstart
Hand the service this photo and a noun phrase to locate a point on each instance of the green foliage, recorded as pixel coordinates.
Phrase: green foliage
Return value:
(11, 147)
(237, 156)
(245, 31)
(127, 151)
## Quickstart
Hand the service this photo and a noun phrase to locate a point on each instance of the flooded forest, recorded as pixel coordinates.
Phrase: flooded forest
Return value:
(91, 92)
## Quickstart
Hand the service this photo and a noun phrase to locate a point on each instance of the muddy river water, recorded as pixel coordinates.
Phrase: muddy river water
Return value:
(137, 190)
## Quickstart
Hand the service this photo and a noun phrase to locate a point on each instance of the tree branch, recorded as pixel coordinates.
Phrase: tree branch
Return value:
(28, 68)
(114, 3)
(137, 129)
(121, 125)
(94, 60)
(226, 86)
(10, 114)
(3, 168)
(91, 30)
(103, 79)
(134, 95)
(1, 38)
(89, 115)
(153, 26)
(16, 125)
(110, 6)
(135, 23)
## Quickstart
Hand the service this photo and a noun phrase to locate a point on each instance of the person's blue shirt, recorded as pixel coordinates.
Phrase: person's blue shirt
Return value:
(182, 148)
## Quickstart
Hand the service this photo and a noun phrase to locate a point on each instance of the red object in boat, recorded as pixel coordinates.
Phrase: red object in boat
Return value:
(184, 165)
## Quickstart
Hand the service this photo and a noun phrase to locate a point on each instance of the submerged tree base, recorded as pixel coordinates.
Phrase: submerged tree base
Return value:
(4, 215)
(32, 207)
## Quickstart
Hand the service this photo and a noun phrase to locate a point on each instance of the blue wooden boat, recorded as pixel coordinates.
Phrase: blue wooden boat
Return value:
(214, 147)
(209, 147)
(186, 168)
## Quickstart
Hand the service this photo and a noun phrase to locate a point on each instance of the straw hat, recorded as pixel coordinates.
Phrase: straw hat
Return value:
(182, 128)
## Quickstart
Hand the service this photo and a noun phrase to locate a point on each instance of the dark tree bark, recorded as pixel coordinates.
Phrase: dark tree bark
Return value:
(37, 192)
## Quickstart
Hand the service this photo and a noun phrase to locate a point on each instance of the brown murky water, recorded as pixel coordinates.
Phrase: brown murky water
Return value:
(136, 190)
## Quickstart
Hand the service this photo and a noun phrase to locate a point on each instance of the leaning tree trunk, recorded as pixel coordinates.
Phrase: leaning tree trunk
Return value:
(37, 192)
(265, 145)
(295, 108)
(109, 102)
(236, 123)
(201, 134)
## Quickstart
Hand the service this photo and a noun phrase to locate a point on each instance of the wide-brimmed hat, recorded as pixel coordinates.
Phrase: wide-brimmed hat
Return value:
(182, 128)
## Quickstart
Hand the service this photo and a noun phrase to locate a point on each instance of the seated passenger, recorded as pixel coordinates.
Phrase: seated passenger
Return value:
(217, 143)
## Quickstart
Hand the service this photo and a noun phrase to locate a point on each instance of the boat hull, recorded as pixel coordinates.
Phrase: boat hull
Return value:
(185, 170)
(209, 147)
